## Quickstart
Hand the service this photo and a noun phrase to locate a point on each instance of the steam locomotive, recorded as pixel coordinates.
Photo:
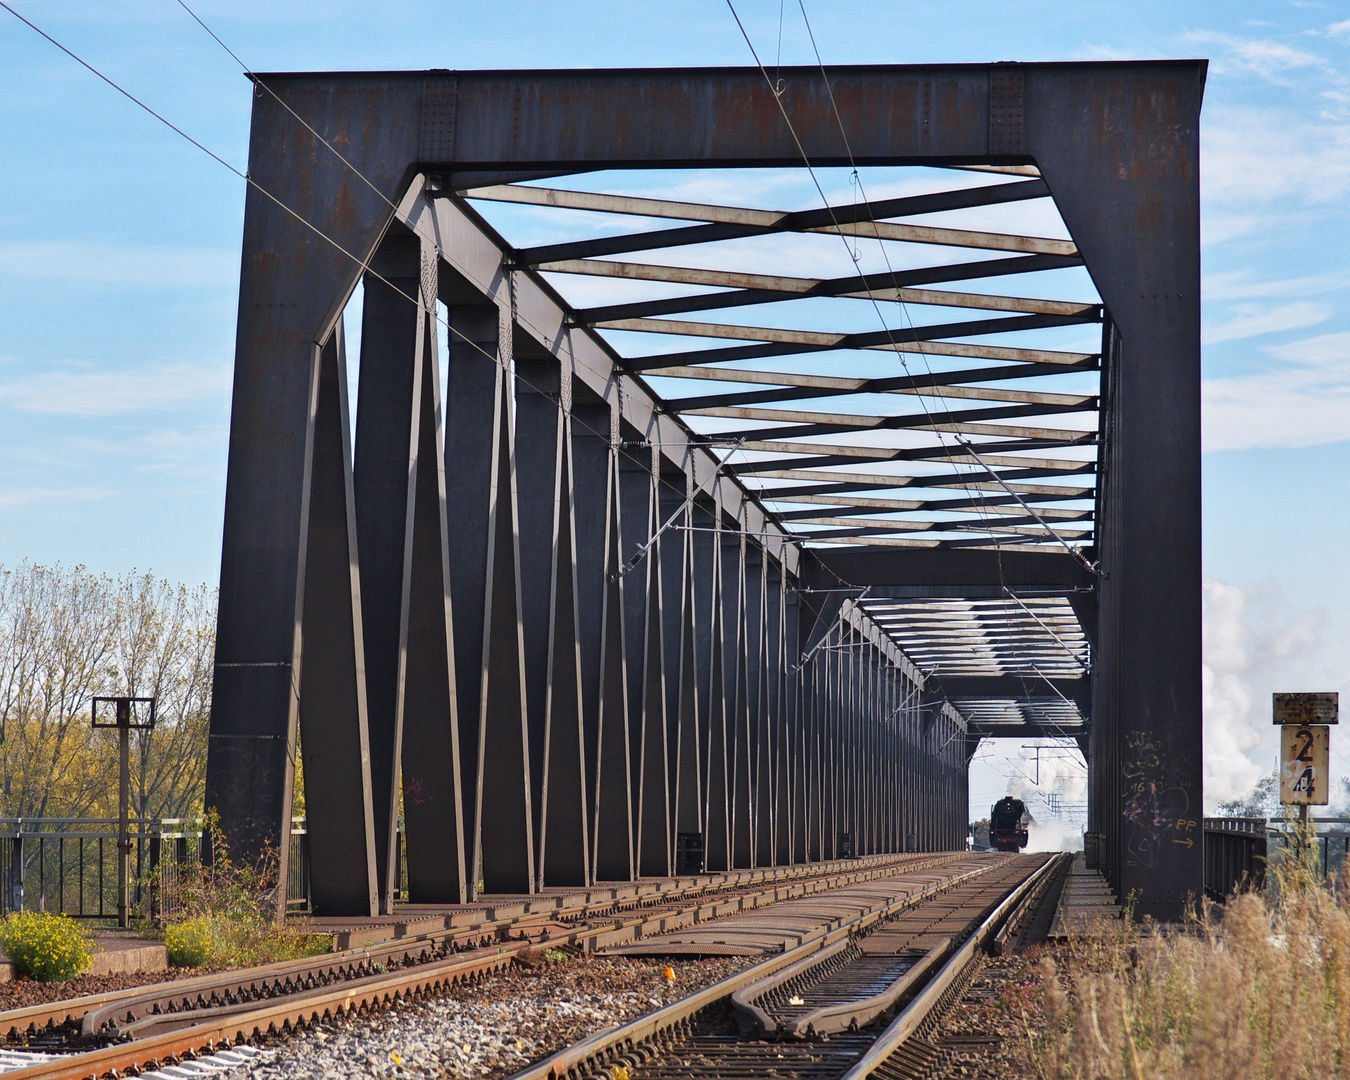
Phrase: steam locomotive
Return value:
(1008, 821)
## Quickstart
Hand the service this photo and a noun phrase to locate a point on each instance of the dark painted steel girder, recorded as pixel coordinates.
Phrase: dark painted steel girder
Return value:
(876, 759)
(900, 335)
(797, 222)
(973, 270)
(887, 385)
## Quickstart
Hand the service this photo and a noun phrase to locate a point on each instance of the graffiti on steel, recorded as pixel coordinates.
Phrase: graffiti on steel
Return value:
(1155, 801)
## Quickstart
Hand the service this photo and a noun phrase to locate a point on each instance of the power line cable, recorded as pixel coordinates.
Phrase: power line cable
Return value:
(997, 542)
(248, 179)
(621, 447)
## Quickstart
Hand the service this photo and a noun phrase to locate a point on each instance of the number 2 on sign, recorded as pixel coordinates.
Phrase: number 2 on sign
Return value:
(1303, 765)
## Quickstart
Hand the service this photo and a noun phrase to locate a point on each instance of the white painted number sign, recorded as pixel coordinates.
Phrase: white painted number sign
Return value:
(1303, 765)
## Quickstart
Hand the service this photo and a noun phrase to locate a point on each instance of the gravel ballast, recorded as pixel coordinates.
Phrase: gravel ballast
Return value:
(496, 1027)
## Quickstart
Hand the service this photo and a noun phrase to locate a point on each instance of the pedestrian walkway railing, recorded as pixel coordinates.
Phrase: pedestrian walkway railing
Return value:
(1239, 851)
(69, 865)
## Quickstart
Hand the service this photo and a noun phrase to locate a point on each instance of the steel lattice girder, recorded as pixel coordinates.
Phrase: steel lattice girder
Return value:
(463, 613)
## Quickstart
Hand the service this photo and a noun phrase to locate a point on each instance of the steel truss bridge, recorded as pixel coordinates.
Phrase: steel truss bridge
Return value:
(678, 533)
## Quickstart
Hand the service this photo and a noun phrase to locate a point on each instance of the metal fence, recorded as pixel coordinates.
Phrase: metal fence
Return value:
(1239, 850)
(69, 865)
(1235, 855)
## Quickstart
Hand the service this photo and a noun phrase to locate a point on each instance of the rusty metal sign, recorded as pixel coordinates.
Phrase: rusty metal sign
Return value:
(1304, 776)
(1304, 709)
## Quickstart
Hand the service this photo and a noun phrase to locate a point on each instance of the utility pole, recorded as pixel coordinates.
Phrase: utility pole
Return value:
(122, 708)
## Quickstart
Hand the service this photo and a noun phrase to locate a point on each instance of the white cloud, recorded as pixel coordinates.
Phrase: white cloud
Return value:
(1239, 285)
(1230, 732)
(1255, 643)
(1265, 58)
(13, 498)
(1255, 156)
(131, 265)
(1305, 402)
(84, 391)
(1106, 51)
(1339, 30)
(1251, 320)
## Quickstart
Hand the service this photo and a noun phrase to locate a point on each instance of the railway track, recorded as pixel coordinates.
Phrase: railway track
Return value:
(152, 1026)
(845, 1007)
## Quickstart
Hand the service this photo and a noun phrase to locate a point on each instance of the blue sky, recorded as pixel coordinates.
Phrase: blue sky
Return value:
(119, 268)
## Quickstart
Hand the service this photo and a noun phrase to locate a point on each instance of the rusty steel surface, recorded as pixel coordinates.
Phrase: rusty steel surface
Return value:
(1304, 709)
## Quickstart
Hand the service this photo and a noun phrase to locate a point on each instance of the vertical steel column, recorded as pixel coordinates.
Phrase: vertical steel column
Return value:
(635, 500)
(814, 772)
(332, 713)
(504, 828)
(489, 642)
(544, 480)
(721, 688)
(1122, 157)
(691, 707)
(779, 722)
(291, 299)
(401, 513)
(388, 413)
(654, 850)
(872, 753)
(470, 442)
(672, 491)
(590, 422)
(756, 817)
(538, 450)
(736, 645)
(612, 819)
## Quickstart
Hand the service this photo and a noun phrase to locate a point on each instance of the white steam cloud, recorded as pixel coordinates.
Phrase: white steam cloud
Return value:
(1254, 643)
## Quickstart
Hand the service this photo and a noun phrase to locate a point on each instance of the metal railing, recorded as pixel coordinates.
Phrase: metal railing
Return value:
(68, 866)
(1235, 855)
(1239, 850)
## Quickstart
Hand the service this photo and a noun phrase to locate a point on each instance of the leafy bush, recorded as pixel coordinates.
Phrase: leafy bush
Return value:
(189, 943)
(49, 948)
(224, 914)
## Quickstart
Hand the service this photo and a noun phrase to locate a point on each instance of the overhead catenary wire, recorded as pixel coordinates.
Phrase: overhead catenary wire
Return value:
(631, 563)
(363, 264)
(857, 180)
(821, 191)
(623, 446)
(1094, 568)
(1075, 552)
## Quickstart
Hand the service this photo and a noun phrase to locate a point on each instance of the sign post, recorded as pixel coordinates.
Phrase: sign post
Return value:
(1305, 736)
(124, 721)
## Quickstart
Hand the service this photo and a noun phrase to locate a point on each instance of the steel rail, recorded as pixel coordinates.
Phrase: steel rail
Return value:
(908, 1022)
(874, 959)
(214, 994)
(590, 1054)
(386, 989)
(1016, 924)
(740, 885)
(631, 1042)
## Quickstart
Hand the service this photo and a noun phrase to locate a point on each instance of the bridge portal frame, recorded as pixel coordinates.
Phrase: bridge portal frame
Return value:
(354, 576)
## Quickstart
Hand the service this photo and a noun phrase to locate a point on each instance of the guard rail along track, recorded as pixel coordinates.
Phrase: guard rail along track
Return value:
(806, 1013)
(175, 1021)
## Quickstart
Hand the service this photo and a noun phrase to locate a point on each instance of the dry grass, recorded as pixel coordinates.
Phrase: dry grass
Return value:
(1260, 990)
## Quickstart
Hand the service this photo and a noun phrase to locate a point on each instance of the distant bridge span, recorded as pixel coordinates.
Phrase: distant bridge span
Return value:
(682, 534)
